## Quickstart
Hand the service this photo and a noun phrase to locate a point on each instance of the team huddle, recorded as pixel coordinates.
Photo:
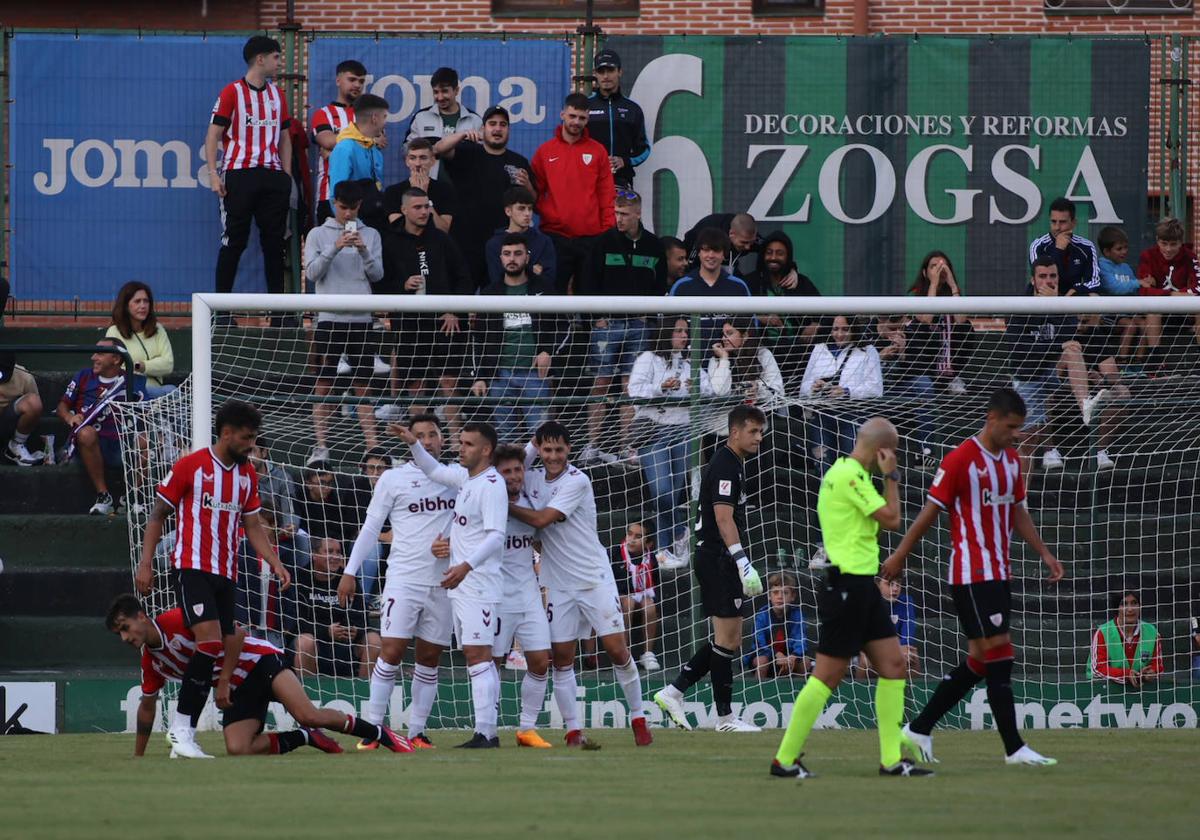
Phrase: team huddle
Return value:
(466, 569)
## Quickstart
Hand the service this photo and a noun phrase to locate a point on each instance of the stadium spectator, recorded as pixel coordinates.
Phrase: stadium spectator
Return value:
(1169, 267)
(908, 350)
(85, 407)
(375, 462)
(904, 616)
(358, 157)
(134, 322)
(443, 200)
(1099, 339)
(419, 259)
(20, 411)
(615, 120)
(250, 119)
(342, 257)
(741, 367)
(626, 261)
(514, 351)
(575, 189)
(840, 371)
(1075, 256)
(328, 507)
(518, 208)
(743, 245)
(277, 490)
(953, 346)
(790, 337)
(634, 570)
(1126, 649)
(710, 279)
(779, 642)
(328, 639)
(663, 373)
(1041, 349)
(677, 259)
(446, 115)
(1117, 277)
(484, 168)
(327, 122)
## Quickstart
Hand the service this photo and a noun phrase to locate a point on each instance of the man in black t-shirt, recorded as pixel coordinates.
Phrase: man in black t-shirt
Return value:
(328, 639)
(443, 200)
(483, 167)
(723, 571)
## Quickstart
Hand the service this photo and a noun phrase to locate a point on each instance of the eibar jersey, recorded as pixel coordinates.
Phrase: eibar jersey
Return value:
(981, 491)
(419, 510)
(167, 662)
(572, 557)
(520, 581)
(209, 500)
(481, 506)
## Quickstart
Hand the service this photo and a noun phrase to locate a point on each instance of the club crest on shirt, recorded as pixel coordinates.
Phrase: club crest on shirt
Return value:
(724, 488)
(587, 159)
(198, 609)
(996, 618)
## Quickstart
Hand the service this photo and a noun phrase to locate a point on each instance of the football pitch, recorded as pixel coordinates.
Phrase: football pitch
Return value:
(687, 785)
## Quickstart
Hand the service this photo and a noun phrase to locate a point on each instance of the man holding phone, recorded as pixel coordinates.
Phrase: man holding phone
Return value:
(343, 257)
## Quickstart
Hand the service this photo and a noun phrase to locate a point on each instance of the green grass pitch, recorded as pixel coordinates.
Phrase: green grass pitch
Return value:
(1128, 784)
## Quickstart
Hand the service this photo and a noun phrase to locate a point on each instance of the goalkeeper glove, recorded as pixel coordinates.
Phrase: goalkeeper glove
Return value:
(751, 582)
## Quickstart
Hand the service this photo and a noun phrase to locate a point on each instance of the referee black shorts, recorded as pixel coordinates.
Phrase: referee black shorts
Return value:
(721, 593)
(206, 597)
(251, 699)
(852, 612)
(983, 608)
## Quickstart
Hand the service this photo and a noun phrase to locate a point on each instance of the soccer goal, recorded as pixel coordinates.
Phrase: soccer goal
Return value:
(1110, 457)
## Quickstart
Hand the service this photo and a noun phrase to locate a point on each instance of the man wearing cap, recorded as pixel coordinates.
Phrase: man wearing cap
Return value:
(483, 168)
(20, 410)
(615, 120)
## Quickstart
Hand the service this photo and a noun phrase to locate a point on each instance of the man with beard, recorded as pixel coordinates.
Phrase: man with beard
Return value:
(744, 248)
(419, 259)
(789, 337)
(483, 168)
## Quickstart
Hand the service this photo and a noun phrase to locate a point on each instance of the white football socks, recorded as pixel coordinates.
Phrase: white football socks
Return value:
(485, 685)
(631, 684)
(424, 692)
(383, 680)
(533, 693)
(564, 696)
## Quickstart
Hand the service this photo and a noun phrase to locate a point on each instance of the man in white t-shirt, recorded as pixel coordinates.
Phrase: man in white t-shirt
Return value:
(413, 603)
(581, 593)
(474, 579)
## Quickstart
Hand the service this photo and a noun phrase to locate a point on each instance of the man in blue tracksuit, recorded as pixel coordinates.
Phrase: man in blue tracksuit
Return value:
(615, 120)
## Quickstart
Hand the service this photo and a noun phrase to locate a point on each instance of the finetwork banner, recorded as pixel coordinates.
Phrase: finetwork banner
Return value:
(872, 152)
(107, 133)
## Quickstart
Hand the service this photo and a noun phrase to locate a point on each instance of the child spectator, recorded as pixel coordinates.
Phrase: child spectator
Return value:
(779, 643)
(634, 570)
(134, 322)
(1168, 268)
(1126, 649)
(904, 616)
(1118, 278)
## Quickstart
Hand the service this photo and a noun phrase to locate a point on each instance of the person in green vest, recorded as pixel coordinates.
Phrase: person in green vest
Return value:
(1126, 649)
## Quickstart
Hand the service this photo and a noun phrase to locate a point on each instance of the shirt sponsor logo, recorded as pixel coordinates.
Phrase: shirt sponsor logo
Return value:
(937, 479)
(518, 542)
(431, 505)
(990, 497)
(211, 503)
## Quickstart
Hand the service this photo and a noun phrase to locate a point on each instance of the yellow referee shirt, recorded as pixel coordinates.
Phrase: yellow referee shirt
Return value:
(844, 506)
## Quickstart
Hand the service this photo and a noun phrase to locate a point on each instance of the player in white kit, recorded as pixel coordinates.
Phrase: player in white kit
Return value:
(581, 593)
(413, 603)
(522, 615)
(473, 578)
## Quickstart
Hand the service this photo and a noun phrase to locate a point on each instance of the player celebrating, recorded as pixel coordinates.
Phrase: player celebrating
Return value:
(980, 484)
(261, 676)
(474, 577)
(213, 493)
(522, 615)
(724, 573)
(414, 604)
(853, 613)
(581, 592)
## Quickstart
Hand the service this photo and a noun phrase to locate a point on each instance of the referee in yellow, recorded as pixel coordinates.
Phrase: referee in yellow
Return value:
(852, 613)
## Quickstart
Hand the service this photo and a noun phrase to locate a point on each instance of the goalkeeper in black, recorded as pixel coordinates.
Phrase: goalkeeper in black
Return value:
(724, 573)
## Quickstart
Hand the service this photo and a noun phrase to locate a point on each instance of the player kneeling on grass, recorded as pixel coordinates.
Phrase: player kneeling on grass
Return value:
(853, 613)
(166, 645)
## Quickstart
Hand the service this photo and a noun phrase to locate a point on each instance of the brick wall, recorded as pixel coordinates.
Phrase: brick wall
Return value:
(726, 17)
(193, 15)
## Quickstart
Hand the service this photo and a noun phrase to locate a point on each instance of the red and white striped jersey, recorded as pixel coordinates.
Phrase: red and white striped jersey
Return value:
(209, 500)
(979, 490)
(254, 120)
(167, 662)
(333, 117)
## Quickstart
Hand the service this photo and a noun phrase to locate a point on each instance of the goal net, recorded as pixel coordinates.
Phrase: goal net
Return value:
(1110, 456)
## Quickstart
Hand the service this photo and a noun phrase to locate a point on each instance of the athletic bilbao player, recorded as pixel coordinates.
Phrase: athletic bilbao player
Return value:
(167, 647)
(980, 486)
(213, 493)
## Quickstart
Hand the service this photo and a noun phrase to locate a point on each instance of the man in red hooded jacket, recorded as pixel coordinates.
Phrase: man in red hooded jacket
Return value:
(576, 192)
